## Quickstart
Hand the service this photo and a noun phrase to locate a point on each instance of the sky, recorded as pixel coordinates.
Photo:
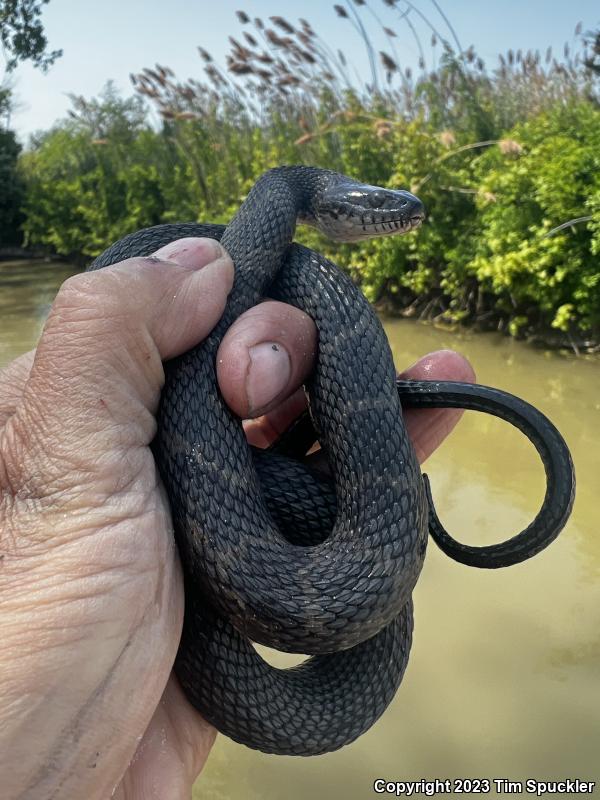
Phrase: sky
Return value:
(110, 39)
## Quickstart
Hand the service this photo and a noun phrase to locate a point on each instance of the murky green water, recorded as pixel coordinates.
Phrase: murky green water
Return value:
(504, 677)
(27, 289)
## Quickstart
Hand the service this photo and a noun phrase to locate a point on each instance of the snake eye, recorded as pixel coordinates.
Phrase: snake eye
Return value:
(377, 199)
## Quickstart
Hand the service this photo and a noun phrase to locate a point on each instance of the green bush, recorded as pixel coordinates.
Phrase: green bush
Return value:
(532, 276)
(92, 180)
(500, 159)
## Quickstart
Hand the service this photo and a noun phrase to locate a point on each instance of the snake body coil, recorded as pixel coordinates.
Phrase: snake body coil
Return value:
(274, 553)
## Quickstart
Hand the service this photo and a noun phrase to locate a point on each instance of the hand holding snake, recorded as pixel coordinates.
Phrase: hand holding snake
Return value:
(87, 516)
(91, 607)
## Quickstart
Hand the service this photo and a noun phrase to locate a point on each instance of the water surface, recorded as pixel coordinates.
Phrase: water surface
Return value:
(504, 676)
(27, 289)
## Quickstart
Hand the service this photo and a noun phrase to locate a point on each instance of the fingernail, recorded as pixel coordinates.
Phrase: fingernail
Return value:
(268, 375)
(191, 252)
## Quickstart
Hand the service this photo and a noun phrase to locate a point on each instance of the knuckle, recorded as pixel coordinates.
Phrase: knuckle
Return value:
(124, 293)
(74, 289)
(108, 290)
(94, 301)
(81, 298)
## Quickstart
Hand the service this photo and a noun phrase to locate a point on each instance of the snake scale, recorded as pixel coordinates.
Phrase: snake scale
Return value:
(276, 553)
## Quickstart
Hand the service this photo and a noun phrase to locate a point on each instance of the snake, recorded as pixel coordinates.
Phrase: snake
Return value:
(274, 551)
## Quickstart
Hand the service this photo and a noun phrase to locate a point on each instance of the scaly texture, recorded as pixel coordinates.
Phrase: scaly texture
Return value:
(335, 578)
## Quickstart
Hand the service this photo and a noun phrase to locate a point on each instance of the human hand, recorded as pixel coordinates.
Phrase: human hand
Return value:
(91, 596)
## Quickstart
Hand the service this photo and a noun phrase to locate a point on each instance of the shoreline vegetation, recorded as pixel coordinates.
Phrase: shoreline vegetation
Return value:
(506, 160)
(23, 254)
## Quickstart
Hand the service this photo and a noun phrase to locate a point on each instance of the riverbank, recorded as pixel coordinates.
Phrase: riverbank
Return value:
(14, 253)
(434, 309)
(26, 254)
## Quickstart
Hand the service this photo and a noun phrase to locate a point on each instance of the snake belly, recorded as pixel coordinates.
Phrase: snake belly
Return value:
(344, 600)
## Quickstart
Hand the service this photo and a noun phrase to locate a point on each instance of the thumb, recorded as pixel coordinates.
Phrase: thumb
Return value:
(96, 378)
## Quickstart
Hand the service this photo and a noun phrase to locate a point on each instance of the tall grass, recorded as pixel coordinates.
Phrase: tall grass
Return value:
(505, 158)
(279, 71)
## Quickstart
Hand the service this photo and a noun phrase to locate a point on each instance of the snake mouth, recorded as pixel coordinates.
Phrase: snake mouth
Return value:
(389, 227)
(384, 226)
(354, 224)
(350, 212)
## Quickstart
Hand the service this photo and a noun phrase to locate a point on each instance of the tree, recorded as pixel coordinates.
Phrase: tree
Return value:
(592, 62)
(22, 34)
(96, 176)
(11, 193)
(22, 38)
(109, 115)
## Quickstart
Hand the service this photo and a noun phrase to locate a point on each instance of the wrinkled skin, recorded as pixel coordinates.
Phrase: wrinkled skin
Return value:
(91, 597)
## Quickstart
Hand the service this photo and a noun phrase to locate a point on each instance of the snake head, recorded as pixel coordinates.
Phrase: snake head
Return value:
(348, 211)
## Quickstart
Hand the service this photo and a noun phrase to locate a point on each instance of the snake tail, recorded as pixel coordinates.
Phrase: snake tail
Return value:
(550, 445)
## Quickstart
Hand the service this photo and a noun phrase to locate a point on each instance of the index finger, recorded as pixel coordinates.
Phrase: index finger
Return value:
(428, 428)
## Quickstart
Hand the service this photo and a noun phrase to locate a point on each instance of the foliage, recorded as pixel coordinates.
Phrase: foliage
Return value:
(500, 158)
(22, 34)
(532, 275)
(592, 60)
(94, 178)
(22, 39)
(10, 190)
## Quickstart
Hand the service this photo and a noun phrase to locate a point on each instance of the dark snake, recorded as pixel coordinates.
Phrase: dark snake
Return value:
(275, 552)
